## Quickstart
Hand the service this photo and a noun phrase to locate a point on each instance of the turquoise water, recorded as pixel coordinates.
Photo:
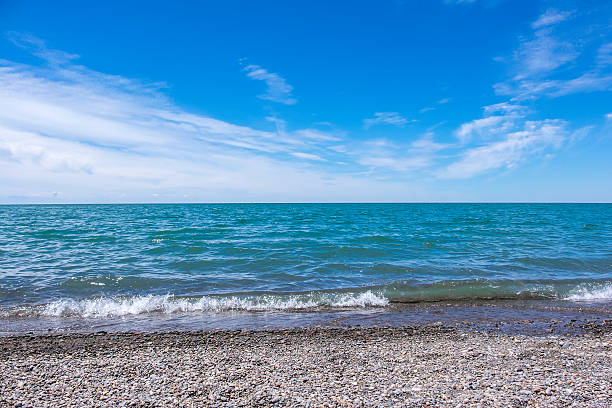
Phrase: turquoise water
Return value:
(101, 261)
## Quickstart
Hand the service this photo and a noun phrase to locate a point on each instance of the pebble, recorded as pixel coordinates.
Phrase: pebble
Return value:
(424, 366)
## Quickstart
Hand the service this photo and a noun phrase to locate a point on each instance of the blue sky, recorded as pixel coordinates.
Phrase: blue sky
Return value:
(293, 101)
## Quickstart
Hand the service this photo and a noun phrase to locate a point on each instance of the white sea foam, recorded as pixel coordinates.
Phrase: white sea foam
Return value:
(364, 299)
(584, 293)
(124, 306)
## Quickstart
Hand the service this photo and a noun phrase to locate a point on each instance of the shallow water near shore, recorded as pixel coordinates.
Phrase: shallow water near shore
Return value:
(505, 317)
(166, 267)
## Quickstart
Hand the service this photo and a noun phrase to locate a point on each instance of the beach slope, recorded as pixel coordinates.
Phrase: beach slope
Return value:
(425, 366)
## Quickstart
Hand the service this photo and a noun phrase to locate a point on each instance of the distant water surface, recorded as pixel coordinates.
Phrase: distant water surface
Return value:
(72, 262)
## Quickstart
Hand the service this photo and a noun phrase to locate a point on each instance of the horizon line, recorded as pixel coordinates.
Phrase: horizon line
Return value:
(315, 202)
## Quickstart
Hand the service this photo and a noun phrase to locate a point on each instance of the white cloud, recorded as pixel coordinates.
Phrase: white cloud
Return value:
(396, 163)
(426, 144)
(58, 156)
(39, 48)
(546, 62)
(604, 55)
(389, 118)
(72, 134)
(489, 125)
(427, 109)
(304, 136)
(417, 155)
(535, 137)
(551, 17)
(278, 89)
(543, 54)
(505, 137)
(590, 81)
(308, 156)
(93, 137)
(315, 134)
(505, 108)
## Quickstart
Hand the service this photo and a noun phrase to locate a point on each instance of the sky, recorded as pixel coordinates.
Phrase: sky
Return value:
(305, 101)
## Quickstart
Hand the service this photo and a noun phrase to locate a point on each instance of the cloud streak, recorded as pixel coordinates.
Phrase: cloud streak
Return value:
(69, 133)
(545, 61)
(278, 90)
(388, 118)
(551, 17)
(514, 147)
(87, 136)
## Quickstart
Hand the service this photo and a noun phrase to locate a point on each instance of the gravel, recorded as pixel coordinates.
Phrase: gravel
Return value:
(422, 367)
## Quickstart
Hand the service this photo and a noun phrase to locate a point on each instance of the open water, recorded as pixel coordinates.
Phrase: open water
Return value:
(231, 265)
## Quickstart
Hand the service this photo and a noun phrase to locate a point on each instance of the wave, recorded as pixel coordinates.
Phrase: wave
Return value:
(602, 293)
(373, 297)
(168, 304)
(485, 289)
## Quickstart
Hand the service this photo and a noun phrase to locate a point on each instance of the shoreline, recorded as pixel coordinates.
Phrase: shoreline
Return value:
(403, 366)
(531, 317)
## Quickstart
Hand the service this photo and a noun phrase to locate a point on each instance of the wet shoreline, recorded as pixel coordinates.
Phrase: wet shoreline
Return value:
(529, 317)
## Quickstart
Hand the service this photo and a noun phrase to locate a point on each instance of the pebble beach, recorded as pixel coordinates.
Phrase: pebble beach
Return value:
(425, 366)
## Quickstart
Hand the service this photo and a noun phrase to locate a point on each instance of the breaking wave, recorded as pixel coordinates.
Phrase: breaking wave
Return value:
(586, 293)
(135, 305)
(373, 297)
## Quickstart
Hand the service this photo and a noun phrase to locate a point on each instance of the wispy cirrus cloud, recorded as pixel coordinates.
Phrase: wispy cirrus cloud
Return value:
(505, 108)
(278, 90)
(542, 55)
(604, 56)
(498, 118)
(489, 125)
(545, 61)
(388, 118)
(442, 101)
(307, 156)
(543, 65)
(543, 52)
(551, 17)
(507, 152)
(420, 154)
(39, 48)
(71, 133)
(502, 139)
(318, 135)
(597, 79)
(88, 136)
